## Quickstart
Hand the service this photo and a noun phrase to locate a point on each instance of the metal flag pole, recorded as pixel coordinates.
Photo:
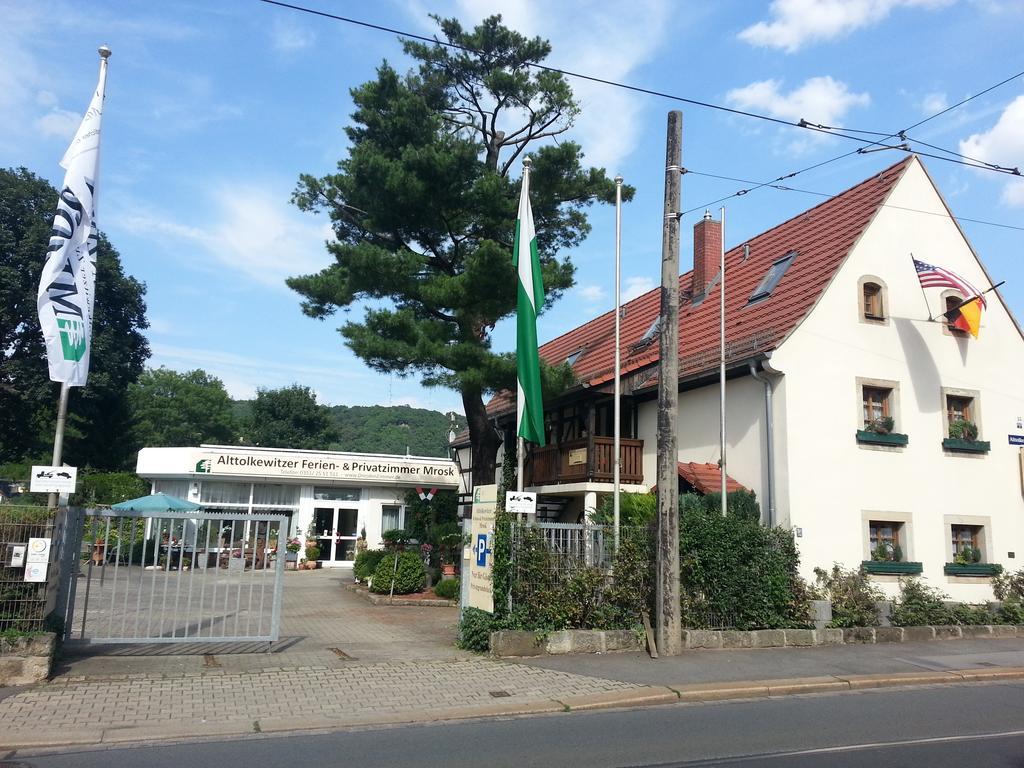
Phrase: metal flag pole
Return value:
(721, 366)
(617, 441)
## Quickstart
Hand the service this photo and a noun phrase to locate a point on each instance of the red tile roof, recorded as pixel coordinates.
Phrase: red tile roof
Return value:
(821, 236)
(707, 478)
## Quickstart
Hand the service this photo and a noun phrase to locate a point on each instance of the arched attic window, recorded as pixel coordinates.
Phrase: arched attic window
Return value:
(873, 300)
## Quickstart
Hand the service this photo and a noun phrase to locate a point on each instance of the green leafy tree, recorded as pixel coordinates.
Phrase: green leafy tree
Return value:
(290, 417)
(181, 409)
(98, 414)
(424, 207)
(394, 429)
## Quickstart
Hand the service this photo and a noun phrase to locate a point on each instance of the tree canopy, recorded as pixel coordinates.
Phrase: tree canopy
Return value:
(424, 207)
(181, 409)
(289, 417)
(393, 429)
(98, 414)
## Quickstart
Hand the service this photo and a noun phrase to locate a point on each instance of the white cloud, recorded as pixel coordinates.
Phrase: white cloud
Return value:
(934, 102)
(287, 35)
(1003, 144)
(819, 100)
(590, 293)
(636, 286)
(795, 23)
(254, 232)
(60, 122)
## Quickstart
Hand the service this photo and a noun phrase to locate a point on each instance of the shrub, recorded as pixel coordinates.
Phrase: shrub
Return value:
(1009, 586)
(395, 538)
(447, 589)
(853, 596)
(634, 509)
(1010, 612)
(366, 563)
(313, 553)
(404, 569)
(734, 572)
(967, 614)
(475, 629)
(919, 605)
(962, 429)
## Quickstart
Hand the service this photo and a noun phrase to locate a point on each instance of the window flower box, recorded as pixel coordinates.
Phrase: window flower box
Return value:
(972, 569)
(881, 438)
(891, 568)
(966, 446)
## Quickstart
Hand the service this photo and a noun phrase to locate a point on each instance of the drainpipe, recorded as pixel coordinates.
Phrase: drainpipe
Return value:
(769, 437)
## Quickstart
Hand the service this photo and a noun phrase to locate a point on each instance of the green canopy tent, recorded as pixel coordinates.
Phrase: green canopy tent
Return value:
(157, 502)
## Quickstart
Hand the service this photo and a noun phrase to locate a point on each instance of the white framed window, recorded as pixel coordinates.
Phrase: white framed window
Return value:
(392, 517)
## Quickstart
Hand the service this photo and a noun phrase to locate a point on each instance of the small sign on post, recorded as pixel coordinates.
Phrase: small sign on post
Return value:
(54, 479)
(521, 503)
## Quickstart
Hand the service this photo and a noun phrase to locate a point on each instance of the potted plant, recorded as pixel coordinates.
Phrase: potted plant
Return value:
(451, 549)
(312, 556)
(963, 436)
(881, 426)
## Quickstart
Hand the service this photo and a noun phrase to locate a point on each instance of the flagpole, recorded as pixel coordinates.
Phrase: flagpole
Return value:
(721, 366)
(617, 441)
(65, 387)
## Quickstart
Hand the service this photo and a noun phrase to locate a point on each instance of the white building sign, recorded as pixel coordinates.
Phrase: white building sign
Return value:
(481, 587)
(349, 468)
(521, 502)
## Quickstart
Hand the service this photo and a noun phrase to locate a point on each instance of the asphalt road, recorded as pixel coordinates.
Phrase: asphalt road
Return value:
(952, 725)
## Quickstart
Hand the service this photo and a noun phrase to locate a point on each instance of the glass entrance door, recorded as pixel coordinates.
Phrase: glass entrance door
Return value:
(336, 531)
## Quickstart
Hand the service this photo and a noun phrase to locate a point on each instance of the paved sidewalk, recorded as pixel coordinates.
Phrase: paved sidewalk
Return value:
(345, 662)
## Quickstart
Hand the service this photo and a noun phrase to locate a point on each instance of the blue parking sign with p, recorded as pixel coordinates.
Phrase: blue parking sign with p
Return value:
(482, 550)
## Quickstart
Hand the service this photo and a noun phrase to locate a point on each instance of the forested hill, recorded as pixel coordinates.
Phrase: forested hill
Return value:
(393, 429)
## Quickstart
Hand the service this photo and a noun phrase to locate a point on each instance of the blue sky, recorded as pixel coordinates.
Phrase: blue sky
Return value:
(214, 109)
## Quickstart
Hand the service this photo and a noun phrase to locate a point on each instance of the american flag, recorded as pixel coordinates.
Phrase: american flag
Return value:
(937, 277)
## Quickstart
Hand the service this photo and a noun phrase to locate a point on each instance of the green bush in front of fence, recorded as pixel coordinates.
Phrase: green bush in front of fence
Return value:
(402, 569)
(736, 573)
(475, 630)
(366, 563)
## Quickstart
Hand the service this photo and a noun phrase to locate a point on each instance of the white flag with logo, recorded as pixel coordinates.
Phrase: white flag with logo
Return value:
(67, 287)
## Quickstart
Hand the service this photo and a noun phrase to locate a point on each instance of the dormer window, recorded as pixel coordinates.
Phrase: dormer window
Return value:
(772, 278)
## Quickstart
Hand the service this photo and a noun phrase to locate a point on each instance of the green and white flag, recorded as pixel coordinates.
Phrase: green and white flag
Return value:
(67, 287)
(529, 300)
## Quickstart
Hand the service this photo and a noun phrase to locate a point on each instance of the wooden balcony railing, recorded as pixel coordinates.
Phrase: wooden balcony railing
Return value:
(585, 460)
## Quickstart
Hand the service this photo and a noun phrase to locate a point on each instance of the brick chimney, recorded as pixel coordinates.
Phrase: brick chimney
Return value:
(707, 252)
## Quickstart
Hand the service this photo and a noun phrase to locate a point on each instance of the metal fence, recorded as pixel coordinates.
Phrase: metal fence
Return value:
(575, 570)
(176, 577)
(23, 605)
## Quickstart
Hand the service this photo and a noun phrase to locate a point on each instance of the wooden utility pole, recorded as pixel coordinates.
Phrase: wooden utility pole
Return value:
(667, 599)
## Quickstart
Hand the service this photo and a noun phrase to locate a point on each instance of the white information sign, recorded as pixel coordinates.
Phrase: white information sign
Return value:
(36, 572)
(38, 551)
(521, 502)
(481, 587)
(54, 479)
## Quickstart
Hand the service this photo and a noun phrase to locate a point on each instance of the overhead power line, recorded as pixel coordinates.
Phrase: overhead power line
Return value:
(784, 188)
(804, 124)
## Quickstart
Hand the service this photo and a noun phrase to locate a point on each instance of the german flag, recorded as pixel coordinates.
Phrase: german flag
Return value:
(967, 316)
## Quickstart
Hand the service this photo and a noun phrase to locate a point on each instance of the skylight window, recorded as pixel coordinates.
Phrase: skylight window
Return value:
(771, 279)
(651, 333)
(572, 357)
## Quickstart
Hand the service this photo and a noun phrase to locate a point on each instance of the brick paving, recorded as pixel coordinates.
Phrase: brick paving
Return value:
(340, 660)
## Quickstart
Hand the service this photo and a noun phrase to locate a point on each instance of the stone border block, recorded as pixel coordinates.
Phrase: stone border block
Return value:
(509, 642)
(830, 636)
(26, 660)
(769, 638)
(889, 634)
(734, 638)
(702, 638)
(862, 635)
(946, 632)
(917, 634)
(800, 637)
(976, 631)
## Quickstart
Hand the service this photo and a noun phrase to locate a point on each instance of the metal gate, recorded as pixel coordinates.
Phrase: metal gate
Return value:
(175, 577)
